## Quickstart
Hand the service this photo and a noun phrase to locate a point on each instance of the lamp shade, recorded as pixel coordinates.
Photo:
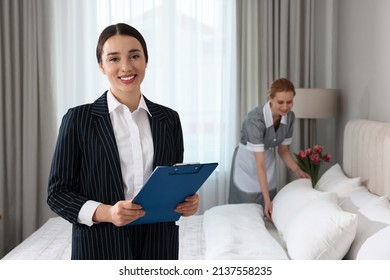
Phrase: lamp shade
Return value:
(315, 103)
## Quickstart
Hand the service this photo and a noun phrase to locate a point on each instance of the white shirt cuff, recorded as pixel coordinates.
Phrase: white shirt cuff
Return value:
(254, 147)
(86, 212)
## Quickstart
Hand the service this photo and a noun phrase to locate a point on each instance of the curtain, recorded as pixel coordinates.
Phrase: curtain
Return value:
(191, 68)
(27, 123)
(277, 39)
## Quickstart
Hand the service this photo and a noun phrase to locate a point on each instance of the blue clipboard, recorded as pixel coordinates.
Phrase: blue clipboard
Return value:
(168, 186)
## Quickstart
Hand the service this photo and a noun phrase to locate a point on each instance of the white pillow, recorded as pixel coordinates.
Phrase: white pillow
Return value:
(289, 200)
(321, 230)
(237, 231)
(378, 210)
(356, 199)
(310, 222)
(335, 180)
(372, 239)
(376, 247)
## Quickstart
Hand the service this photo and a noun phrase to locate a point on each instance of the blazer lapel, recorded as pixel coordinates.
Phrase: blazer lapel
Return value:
(158, 127)
(105, 133)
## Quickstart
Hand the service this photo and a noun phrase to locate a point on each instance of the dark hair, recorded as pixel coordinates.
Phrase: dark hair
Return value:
(119, 29)
(280, 85)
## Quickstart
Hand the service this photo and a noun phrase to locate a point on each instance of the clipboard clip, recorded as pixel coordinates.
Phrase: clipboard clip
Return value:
(186, 163)
(185, 168)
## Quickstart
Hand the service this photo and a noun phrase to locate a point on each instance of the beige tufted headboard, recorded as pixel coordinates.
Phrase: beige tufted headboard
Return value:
(366, 154)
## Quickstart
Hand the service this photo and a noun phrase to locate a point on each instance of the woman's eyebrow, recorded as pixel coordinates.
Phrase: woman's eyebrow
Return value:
(134, 50)
(130, 51)
(112, 53)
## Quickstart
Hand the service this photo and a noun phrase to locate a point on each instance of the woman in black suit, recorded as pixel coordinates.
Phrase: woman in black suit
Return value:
(104, 153)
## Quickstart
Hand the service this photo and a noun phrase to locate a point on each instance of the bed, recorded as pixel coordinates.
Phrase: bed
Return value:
(346, 215)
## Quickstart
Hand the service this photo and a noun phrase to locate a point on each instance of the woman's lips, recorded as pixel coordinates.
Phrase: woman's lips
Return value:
(127, 79)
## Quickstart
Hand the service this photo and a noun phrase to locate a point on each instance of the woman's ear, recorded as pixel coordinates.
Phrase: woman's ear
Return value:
(102, 68)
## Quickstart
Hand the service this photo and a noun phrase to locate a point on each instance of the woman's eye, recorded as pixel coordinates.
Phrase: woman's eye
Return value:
(114, 59)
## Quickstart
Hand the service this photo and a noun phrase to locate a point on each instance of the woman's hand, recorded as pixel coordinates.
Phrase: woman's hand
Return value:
(302, 174)
(124, 212)
(121, 213)
(268, 210)
(189, 206)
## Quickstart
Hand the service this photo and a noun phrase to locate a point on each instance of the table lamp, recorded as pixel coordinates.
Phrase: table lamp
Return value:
(312, 104)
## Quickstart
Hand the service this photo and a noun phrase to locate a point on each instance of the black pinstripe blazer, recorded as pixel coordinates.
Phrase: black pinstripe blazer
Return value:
(86, 166)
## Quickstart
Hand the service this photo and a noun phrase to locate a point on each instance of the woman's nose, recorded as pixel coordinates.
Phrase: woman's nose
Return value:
(126, 65)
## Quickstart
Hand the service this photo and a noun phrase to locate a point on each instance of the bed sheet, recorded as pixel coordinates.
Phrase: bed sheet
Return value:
(191, 238)
(52, 241)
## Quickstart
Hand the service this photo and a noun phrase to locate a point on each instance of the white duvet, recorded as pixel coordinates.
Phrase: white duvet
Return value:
(237, 231)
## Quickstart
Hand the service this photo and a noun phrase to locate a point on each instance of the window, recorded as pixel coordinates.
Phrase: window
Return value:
(192, 69)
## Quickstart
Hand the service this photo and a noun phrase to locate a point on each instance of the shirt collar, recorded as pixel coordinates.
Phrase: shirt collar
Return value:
(113, 103)
(268, 116)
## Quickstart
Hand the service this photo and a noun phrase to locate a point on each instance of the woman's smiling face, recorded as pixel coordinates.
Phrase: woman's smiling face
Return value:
(282, 103)
(124, 64)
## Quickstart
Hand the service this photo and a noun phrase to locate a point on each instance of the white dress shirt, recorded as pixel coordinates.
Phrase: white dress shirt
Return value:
(135, 144)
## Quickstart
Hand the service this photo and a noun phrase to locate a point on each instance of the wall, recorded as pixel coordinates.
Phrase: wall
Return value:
(363, 61)
(352, 54)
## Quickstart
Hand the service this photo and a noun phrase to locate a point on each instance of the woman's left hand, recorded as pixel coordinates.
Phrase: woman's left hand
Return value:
(302, 174)
(189, 206)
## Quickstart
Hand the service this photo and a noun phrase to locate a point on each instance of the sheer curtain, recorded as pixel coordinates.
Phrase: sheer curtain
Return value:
(192, 69)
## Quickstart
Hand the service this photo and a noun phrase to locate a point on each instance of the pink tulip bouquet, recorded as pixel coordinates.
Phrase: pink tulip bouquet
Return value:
(310, 161)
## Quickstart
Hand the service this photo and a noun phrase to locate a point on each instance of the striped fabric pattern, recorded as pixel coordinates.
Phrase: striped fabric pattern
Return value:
(86, 166)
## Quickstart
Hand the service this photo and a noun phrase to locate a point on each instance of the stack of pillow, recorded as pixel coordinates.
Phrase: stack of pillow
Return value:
(337, 219)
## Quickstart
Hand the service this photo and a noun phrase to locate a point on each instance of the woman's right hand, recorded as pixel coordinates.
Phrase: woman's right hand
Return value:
(121, 213)
(124, 212)
(268, 209)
